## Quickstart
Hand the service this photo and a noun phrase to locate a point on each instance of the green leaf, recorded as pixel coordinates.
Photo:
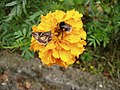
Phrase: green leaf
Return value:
(90, 43)
(31, 54)
(86, 56)
(32, 17)
(97, 41)
(104, 44)
(78, 1)
(24, 32)
(20, 39)
(11, 14)
(17, 36)
(19, 10)
(93, 37)
(19, 33)
(94, 44)
(24, 4)
(11, 3)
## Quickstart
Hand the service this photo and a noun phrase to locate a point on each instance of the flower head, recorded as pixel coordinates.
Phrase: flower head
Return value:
(67, 38)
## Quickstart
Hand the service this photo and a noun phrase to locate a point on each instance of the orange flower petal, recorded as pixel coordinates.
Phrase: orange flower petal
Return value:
(59, 15)
(50, 45)
(61, 63)
(74, 49)
(64, 45)
(65, 55)
(55, 53)
(71, 61)
(72, 38)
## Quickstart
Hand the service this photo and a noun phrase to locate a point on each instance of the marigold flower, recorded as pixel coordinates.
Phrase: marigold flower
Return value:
(68, 40)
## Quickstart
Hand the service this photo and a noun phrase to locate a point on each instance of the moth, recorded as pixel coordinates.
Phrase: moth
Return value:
(42, 37)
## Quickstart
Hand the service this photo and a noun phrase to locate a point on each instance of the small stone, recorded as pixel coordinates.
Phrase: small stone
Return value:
(3, 84)
(101, 85)
(19, 71)
(40, 66)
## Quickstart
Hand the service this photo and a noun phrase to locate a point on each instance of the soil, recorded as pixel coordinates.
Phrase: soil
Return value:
(19, 74)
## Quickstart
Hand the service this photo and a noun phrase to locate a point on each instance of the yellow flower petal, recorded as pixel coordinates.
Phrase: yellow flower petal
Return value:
(72, 38)
(59, 15)
(83, 34)
(73, 14)
(61, 63)
(55, 53)
(64, 45)
(34, 28)
(71, 61)
(78, 25)
(81, 43)
(74, 49)
(50, 45)
(65, 55)
(47, 57)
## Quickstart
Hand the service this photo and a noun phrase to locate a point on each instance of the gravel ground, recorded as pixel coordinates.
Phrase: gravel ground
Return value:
(19, 74)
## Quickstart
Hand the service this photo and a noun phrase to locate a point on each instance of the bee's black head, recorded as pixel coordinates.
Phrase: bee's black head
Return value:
(61, 25)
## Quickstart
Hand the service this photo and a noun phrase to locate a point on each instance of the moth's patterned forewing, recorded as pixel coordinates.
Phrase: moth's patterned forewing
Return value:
(42, 37)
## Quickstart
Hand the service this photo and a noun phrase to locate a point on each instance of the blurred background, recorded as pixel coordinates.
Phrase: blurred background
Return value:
(101, 20)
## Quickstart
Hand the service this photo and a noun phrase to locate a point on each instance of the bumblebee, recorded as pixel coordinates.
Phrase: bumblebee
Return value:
(63, 27)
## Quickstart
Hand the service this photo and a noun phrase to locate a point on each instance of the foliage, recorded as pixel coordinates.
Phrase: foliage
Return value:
(101, 22)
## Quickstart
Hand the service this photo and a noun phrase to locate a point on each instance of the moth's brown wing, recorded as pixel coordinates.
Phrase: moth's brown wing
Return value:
(48, 36)
(36, 35)
(42, 37)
